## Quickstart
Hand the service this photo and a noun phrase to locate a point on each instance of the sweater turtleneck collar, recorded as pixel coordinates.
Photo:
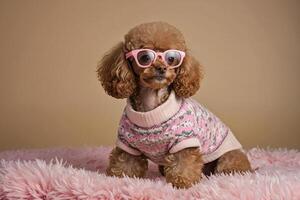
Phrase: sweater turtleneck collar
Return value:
(156, 116)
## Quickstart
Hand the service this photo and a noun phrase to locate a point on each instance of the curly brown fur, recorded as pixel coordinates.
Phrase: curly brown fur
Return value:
(188, 78)
(122, 163)
(233, 161)
(115, 75)
(183, 169)
(155, 35)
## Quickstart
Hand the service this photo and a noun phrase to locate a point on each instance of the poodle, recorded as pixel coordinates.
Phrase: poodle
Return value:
(155, 72)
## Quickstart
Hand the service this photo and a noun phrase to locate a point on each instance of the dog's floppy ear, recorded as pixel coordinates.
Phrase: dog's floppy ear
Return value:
(188, 77)
(115, 74)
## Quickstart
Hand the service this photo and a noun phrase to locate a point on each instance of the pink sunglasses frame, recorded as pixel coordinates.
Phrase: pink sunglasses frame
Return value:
(134, 53)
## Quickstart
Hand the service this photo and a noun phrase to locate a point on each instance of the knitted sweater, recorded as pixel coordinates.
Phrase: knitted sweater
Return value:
(175, 125)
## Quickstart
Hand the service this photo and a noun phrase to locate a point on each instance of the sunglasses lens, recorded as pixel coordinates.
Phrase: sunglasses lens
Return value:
(173, 58)
(145, 57)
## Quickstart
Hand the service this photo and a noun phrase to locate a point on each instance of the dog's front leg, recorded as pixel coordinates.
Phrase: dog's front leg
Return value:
(122, 164)
(183, 168)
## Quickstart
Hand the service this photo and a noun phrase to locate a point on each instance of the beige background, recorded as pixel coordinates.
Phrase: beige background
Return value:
(50, 95)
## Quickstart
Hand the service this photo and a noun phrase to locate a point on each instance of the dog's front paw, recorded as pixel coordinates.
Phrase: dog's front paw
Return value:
(182, 182)
(183, 168)
(122, 164)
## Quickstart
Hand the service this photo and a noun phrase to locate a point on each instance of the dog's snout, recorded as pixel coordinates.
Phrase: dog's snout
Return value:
(161, 70)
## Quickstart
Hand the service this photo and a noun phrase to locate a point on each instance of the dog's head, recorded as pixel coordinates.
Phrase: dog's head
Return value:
(145, 59)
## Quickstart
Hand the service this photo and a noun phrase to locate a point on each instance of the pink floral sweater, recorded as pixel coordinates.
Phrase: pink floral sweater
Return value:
(175, 125)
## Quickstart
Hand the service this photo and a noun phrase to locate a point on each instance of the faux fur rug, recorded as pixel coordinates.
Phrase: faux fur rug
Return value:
(78, 173)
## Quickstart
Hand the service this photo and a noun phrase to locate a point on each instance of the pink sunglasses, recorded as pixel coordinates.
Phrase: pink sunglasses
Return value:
(145, 57)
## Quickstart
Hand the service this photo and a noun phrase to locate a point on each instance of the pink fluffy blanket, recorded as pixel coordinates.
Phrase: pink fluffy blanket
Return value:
(78, 173)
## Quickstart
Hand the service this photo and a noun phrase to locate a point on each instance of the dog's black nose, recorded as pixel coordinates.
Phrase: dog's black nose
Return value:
(161, 70)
